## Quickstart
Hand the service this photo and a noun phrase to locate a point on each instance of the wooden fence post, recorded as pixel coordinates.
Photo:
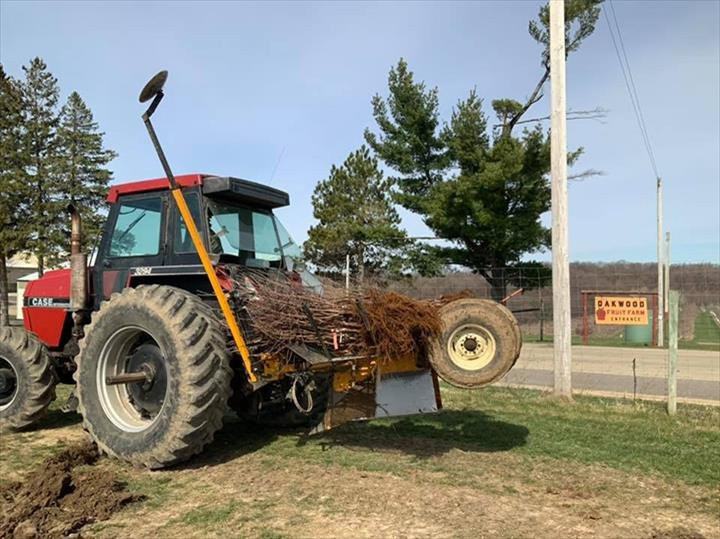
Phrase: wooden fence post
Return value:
(586, 323)
(672, 352)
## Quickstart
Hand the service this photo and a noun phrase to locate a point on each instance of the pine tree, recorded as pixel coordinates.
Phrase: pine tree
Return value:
(491, 208)
(40, 96)
(14, 191)
(356, 217)
(483, 191)
(408, 140)
(81, 160)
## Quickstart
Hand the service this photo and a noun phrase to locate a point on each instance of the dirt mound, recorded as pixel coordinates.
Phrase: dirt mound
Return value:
(61, 496)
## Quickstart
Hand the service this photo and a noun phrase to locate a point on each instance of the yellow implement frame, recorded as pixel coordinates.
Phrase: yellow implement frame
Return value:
(214, 281)
(153, 90)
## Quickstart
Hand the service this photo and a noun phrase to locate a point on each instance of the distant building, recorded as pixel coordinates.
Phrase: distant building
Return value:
(19, 266)
(21, 269)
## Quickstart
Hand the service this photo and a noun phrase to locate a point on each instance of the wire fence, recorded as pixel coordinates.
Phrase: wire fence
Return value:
(630, 371)
(698, 284)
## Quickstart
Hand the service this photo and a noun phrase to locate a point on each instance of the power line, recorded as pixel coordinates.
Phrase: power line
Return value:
(630, 85)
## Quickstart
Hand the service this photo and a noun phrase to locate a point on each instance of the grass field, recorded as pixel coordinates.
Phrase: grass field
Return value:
(494, 463)
(706, 336)
(706, 331)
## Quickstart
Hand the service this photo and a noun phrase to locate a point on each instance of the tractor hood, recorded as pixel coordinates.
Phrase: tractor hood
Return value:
(46, 307)
(53, 284)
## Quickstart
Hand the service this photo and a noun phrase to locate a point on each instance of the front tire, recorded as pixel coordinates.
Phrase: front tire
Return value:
(173, 335)
(27, 379)
(479, 344)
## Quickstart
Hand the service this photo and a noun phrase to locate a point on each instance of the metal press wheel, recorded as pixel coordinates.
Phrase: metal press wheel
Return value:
(479, 343)
(471, 347)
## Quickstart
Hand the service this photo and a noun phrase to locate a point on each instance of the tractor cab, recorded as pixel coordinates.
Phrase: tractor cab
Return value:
(146, 239)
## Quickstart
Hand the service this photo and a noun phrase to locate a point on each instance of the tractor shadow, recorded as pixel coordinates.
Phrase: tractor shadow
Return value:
(236, 439)
(420, 436)
(426, 436)
(55, 418)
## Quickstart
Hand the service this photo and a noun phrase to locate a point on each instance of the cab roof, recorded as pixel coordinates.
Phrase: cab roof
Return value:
(222, 187)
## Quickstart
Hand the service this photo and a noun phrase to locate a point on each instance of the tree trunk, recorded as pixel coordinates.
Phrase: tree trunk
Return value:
(361, 266)
(4, 297)
(498, 283)
(41, 265)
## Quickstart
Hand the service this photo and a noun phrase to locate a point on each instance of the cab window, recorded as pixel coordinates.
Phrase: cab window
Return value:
(183, 241)
(243, 232)
(137, 228)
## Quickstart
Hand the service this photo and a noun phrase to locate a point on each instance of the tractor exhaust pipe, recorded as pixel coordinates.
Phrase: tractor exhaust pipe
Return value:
(78, 263)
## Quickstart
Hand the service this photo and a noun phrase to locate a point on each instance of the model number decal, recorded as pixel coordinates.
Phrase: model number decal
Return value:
(142, 270)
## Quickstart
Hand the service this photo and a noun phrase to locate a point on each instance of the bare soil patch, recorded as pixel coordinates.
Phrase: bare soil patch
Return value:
(61, 496)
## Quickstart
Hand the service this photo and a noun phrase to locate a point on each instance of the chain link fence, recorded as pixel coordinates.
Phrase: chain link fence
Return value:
(698, 284)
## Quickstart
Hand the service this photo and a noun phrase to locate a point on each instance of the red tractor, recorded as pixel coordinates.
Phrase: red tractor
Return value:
(150, 339)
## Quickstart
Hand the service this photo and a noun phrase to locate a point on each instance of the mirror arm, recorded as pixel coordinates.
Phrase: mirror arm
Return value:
(156, 142)
(151, 109)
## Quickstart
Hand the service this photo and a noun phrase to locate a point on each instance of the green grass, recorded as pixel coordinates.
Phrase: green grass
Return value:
(210, 516)
(706, 336)
(706, 330)
(633, 437)
(637, 438)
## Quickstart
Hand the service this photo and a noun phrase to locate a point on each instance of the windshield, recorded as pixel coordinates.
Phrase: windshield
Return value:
(255, 236)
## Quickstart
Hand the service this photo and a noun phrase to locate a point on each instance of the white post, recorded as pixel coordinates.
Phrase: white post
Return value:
(347, 272)
(660, 289)
(562, 324)
(666, 277)
(672, 351)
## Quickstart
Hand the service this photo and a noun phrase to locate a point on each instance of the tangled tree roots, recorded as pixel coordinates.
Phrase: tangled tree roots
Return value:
(280, 312)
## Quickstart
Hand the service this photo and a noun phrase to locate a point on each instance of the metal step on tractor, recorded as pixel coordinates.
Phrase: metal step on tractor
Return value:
(151, 336)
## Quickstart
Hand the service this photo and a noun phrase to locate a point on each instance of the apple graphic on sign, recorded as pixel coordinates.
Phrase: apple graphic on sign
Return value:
(600, 313)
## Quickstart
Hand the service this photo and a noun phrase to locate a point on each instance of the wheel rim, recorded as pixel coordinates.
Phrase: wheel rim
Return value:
(471, 347)
(8, 383)
(132, 407)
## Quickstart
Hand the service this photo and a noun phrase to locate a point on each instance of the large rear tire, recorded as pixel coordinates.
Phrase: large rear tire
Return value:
(27, 379)
(479, 344)
(178, 339)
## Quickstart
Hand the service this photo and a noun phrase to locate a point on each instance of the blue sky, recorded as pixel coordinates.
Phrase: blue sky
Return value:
(254, 83)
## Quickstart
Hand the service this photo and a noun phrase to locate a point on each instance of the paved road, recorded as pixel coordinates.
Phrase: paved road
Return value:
(608, 369)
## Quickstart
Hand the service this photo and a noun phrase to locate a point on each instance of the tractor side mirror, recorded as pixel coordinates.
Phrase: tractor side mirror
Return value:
(153, 87)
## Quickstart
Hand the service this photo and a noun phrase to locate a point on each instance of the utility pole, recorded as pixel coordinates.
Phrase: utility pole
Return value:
(660, 289)
(562, 323)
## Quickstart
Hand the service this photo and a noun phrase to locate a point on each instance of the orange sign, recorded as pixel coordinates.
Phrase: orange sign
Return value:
(625, 311)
